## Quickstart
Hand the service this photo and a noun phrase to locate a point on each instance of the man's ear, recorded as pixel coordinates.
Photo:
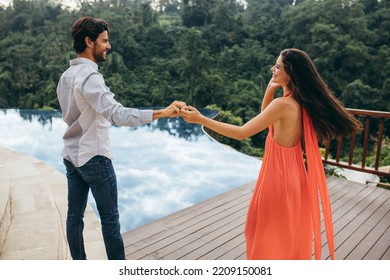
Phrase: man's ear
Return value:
(88, 42)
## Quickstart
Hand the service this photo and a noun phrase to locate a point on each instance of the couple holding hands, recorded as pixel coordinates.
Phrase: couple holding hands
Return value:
(284, 211)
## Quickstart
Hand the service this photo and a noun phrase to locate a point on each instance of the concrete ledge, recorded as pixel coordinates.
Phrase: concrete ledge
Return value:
(36, 205)
(5, 205)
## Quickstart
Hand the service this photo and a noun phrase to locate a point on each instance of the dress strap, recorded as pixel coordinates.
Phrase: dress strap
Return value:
(317, 184)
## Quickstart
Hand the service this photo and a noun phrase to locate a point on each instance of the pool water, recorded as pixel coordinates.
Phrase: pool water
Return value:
(161, 167)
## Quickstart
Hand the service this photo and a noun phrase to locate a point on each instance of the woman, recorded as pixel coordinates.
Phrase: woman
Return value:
(284, 212)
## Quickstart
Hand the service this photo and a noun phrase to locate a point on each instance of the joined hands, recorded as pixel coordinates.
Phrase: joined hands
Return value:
(181, 109)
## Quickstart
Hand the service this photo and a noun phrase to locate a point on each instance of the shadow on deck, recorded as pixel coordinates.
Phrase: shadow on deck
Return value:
(213, 229)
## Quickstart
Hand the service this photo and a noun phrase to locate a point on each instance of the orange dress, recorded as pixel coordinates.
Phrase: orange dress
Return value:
(284, 212)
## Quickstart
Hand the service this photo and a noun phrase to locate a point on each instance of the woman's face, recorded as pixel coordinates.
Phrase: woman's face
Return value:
(280, 75)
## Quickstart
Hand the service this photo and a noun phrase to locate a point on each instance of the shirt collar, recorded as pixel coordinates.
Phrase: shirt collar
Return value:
(81, 60)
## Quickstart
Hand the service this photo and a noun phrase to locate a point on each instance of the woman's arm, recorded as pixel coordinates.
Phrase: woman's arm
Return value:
(269, 94)
(273, 112)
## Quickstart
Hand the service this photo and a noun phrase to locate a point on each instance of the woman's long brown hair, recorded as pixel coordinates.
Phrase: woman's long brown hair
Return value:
(329, 117)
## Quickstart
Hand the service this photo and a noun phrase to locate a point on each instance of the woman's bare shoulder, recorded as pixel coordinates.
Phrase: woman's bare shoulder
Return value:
(282, 103)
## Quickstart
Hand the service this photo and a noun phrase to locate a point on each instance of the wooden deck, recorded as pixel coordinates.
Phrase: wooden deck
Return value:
(213, 229)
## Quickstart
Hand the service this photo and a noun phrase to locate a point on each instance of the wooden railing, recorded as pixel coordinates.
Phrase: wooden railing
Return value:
(366, 117)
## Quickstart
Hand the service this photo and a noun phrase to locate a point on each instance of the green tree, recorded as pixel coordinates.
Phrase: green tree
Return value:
(196, 61)
(204, 52)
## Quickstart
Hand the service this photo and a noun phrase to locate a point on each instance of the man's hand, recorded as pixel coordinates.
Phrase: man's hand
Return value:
(171, 111)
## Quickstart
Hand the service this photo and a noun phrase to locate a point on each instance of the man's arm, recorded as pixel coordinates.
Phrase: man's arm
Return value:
(102, 100)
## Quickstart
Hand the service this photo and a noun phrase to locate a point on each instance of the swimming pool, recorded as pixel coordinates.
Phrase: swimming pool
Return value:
(161, 167)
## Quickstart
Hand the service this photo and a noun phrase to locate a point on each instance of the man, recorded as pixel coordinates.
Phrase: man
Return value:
(88, 107)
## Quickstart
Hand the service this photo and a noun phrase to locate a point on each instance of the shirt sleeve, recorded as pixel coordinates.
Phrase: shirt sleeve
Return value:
(101, 99)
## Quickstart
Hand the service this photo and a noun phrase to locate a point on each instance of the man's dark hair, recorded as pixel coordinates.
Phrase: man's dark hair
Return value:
(87, 27)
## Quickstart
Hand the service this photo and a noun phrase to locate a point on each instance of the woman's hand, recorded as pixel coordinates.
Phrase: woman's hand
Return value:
(273, 86)
(191, 115)
(269, 93)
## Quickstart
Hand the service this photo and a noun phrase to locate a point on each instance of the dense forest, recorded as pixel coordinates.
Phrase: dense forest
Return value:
(215, 53)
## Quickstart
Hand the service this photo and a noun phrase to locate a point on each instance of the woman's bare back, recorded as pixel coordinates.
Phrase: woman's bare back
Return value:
(288, 130)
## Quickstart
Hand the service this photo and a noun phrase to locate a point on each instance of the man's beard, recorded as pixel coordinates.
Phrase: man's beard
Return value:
(98, 56)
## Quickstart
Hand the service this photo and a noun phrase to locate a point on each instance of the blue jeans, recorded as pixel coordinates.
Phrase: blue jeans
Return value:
(98, 175)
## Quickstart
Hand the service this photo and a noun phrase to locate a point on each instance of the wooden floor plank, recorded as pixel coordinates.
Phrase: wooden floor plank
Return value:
(155, 228)
(380, 248)
(361, 228)
(234, 238)
(386, 255)
(218, 229)
(185, 221)
(214, 229)
(374, 232)
(214, 241)
(235, 253)
(354, 213)
(190, 225)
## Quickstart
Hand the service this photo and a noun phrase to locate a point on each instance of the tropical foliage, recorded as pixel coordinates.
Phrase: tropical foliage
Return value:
(204, 52)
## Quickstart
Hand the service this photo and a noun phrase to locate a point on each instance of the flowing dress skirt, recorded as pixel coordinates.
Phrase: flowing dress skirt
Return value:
(279, 219)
